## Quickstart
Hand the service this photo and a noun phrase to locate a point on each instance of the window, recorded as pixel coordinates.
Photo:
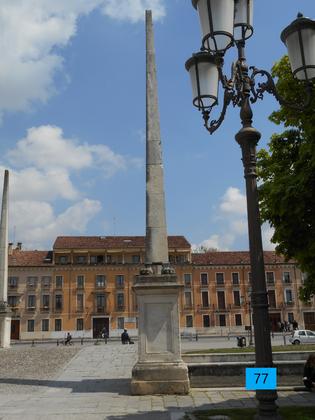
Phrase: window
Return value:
(219, 278)
(189, 321)
(13, 282)
(180, 259)
(80, 282)
(206, 321)
(59, 281)
(80, 302)
(46, 280)
(79, 324)
(30, 325)
(272, 298)
(108, 259)
(45, 301)
(237, 299)
(135, 259)
(187, 280)
(80, 259)
(205, 299)
(249, 276)
(45, 324)
(31, 301)
(58, 302)
(204, 279)
(288, 296)
(57, 324)
(235, 278)
(120, 323)
(221, 300)
(238, 319)
(290, 317)
(100, 302)
(188, 300)
(31, 282)
(302, 333)
(222, 321)
(100, 281)
(270, 277)
(286, 277)
(63, 259)
(120, 301)
(120, 280)
(13, 301)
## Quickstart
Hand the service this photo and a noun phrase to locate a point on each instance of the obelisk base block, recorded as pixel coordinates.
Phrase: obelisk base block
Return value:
(160, 368)
(5, 329)
(159, 378)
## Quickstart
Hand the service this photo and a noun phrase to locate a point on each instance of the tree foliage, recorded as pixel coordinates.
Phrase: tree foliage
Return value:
(287, 173)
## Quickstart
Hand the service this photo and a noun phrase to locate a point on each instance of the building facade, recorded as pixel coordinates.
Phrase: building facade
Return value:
(85, 285)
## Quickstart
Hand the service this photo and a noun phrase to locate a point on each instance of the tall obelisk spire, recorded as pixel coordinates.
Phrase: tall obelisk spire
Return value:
(160, 368)
(156, 234)
(5, 312)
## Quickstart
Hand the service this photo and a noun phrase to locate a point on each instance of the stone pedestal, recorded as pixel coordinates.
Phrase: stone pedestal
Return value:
(160, 369)
(5, 328)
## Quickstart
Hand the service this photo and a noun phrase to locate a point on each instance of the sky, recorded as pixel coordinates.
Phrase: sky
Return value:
(72, 120)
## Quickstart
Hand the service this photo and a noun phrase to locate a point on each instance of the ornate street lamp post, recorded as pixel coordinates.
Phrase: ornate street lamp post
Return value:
(224, 24)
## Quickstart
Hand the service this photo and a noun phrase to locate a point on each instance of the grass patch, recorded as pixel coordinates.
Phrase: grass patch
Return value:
(305, 347)
(287, 413)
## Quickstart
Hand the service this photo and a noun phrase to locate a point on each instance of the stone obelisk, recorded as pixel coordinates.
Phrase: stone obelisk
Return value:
(5, 311)
(160, 369)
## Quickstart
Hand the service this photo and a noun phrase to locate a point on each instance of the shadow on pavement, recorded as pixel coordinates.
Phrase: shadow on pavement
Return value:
(119, 386)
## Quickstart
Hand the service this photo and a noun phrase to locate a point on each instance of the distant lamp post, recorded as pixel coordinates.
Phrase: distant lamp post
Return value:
(225, 24)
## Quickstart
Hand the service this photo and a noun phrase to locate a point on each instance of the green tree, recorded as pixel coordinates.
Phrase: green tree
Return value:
(287, 175)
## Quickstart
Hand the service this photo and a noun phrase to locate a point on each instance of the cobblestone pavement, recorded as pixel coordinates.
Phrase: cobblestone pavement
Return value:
(95, 385)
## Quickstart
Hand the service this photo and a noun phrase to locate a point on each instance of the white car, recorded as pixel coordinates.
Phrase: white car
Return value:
(302, 337)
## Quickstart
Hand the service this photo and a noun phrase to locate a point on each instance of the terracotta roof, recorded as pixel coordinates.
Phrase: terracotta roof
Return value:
(234, 258)
(106, 242)
(29, 258)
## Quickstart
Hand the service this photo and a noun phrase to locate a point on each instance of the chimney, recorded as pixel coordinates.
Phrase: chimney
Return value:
(19, 246)
(10, 248)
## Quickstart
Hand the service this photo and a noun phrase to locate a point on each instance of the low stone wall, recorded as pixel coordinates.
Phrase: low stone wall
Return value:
(243, 357)
(228, 369)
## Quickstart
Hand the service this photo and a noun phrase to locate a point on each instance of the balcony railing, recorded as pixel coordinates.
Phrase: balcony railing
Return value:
(290, 303)
(100, 309)
(45, 308)
(120, 308)
(31, 308)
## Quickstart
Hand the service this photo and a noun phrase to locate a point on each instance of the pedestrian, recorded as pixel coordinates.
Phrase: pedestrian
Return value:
(281, 326)
(309, 372)
(68, 339)
(105, 334)
(295, 325)
(125, 339)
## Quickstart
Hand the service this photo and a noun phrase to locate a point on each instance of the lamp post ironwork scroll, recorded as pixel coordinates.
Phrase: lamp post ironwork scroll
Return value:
(228, 23)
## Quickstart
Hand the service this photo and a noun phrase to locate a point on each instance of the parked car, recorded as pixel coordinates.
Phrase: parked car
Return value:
(302, 337)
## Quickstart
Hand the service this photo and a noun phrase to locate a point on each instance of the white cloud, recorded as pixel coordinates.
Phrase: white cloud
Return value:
(46, 149)
(30, 31)
(232, 225)
(133, 10)
(233, 202)
(36, 225)
(267, 232)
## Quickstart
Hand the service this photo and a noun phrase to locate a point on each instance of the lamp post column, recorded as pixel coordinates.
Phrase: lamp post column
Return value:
(248, 138)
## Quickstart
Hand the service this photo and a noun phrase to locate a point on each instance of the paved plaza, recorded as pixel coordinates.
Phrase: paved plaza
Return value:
(95, 385)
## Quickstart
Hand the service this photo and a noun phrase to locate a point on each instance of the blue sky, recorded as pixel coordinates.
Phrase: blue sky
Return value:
(72, 108)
